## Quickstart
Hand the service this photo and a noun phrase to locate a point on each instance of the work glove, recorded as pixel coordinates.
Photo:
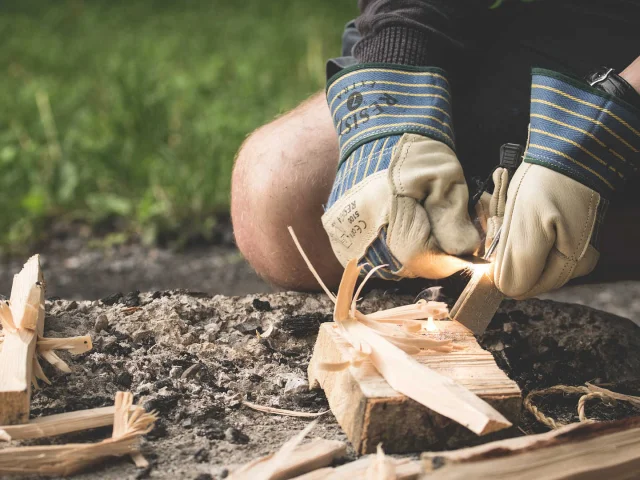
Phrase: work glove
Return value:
(583, 144)
(491, 207)
(400, 198)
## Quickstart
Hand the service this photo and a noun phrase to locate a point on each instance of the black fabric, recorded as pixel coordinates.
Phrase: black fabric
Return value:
(416, 32)
(492, 52)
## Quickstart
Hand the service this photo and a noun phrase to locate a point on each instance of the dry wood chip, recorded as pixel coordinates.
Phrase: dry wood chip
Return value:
(281, 411)
(292, 459)
(129, 425)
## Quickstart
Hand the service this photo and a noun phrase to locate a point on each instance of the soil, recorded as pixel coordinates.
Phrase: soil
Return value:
(194, 357)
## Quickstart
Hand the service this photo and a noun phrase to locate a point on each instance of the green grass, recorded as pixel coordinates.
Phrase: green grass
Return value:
(133, 110)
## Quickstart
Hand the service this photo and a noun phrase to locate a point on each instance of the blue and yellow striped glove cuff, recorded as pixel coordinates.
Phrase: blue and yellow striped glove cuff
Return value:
(374, 101)
(582, 132)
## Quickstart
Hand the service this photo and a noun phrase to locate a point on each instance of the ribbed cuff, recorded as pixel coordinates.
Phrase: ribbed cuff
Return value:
(399, 45)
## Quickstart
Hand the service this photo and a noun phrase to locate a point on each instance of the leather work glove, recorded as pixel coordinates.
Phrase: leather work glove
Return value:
(583, 144)
(491, 207)
(400, 196)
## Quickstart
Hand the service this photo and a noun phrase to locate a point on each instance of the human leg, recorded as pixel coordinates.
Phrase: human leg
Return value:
(282, 176)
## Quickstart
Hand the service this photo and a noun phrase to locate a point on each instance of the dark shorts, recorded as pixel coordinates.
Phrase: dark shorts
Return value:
(491, 87)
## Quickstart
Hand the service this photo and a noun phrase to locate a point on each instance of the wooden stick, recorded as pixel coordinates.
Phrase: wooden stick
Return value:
(478, 302)
(305, 458)
(71, 458)
(18, 349)
(608, 450)
(60, 423)
(282, 411)
(405, 469)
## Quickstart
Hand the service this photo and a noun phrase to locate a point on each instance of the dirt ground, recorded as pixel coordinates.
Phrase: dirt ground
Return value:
(194, 356)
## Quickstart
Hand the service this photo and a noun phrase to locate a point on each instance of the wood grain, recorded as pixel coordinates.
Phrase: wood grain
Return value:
(594, 451)
(478, 302)
(19, 346)
(370, 411)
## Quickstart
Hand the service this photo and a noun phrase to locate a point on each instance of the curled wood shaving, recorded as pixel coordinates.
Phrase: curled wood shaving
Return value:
(394, 324)
(70, 458)
(281, 411)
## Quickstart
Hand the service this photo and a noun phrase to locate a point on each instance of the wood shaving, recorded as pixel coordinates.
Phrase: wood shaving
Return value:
(129, 426)
(389, 348)
(281, 411)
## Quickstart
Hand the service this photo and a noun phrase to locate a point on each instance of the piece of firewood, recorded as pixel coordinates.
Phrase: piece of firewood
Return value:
(370, 411)
(608, 450)
(59, 424)
(318, 453)
(19, 346)
(405, 469)
(478, 302)
(388, 349)
(130, 423)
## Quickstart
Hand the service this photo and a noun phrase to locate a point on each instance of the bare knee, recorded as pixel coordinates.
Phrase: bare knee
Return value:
(282, 176)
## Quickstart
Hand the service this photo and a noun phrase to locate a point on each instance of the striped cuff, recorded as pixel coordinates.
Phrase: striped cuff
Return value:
(372, 101)
(581, 132)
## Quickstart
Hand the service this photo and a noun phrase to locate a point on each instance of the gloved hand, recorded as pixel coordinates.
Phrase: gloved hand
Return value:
(400, 197)
(491, 206)
(583, 144)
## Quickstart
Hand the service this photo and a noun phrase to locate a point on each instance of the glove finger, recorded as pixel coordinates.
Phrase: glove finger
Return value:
(559, 270)
(451, 225)
(499, 197)
(408, 237)
(482, 212)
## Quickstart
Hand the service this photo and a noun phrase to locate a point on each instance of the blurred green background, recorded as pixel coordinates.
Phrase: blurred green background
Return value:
(129, 113)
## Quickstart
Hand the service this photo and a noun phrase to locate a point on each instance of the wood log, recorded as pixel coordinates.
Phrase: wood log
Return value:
(608, 450)
(19, 346)
(60, 423)
(371, 412)
(478, 302)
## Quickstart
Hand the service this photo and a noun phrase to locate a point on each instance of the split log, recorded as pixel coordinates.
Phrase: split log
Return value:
(318, 453)
(59, 424)
(608, 450)
(18, 349)
(370, 411)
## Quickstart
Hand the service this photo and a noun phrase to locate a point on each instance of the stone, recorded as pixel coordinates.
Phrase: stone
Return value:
(261, 305)
(233, 435)
(249, 327)
(102, 323)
